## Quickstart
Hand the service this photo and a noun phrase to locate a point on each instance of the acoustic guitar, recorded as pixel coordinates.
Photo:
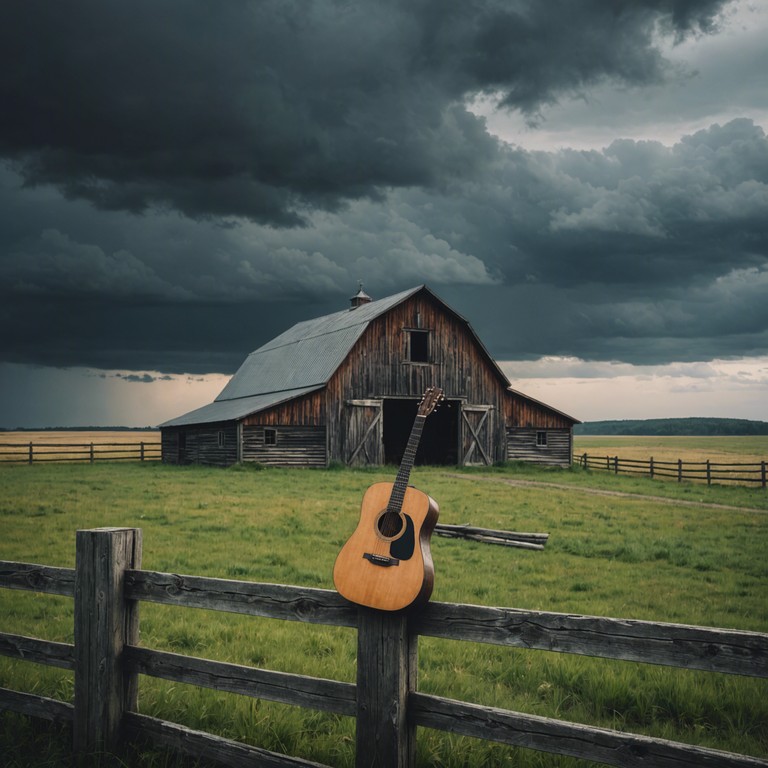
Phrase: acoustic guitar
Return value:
(386, 563)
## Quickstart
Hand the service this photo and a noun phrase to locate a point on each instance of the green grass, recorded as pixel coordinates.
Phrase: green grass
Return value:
(612, 556)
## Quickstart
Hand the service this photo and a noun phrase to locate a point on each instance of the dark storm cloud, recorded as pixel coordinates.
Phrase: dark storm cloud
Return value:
(228, 124)
(269, 109)
(640, 252)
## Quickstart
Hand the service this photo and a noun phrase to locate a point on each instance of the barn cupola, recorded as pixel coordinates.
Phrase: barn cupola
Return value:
(361, 297)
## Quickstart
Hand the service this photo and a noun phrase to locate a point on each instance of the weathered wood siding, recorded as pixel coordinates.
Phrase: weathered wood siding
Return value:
(522, 411)
(169, 445)
(210, 444)
(293, 446)
(378, 367)
(307, 411)
(522, 446)
(362, 426)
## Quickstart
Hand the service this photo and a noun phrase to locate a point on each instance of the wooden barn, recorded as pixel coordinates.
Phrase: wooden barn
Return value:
(345, 388)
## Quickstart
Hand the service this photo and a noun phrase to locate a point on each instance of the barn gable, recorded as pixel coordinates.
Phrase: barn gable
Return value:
(344, 387)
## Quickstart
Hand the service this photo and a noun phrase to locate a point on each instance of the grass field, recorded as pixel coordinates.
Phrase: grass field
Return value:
(629, 557)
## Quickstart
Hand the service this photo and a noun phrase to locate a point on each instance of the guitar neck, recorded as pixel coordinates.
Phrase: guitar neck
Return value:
(406, 465)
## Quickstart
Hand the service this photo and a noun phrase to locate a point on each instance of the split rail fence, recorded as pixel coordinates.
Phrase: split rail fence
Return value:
(107, 585)
(706, 471)
(29, 453)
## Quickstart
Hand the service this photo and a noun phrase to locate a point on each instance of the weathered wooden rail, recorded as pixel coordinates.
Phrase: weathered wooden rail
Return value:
(703, 471)
(107, 585)
(30, 453)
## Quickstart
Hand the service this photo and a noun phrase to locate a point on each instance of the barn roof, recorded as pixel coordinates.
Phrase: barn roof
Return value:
(308, 353)
(298, 361)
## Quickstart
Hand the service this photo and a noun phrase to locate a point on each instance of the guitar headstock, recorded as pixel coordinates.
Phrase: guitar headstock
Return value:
(432, 398)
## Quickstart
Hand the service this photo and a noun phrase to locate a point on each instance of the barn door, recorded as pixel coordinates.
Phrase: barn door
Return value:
(363, 438)
(476, 447)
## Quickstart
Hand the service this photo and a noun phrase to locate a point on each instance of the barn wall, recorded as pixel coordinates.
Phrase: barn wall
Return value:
(522, 446)
(293, 447)
(521, 411)
(378, 367)
(202, 444)
(169, 445)
(307, 411)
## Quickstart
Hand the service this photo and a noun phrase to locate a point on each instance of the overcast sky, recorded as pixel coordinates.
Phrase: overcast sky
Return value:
(586, 182)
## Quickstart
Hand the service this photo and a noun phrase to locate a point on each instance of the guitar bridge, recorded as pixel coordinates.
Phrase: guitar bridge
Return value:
(382, 560)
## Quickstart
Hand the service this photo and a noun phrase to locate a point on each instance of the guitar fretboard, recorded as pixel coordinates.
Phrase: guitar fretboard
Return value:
(404, 473)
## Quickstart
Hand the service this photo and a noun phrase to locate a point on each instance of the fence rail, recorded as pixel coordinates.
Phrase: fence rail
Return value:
(29, 453)
(108, 584)
(704, 471)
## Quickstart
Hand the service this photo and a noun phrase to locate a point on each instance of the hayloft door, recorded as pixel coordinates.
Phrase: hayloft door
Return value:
(476, 442)
(363, 438)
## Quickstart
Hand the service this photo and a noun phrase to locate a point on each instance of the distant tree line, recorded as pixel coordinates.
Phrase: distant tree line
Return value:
(670, 427)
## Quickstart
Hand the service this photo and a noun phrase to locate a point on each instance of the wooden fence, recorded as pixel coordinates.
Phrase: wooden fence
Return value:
(107, 585)
(29, 453)
(705, 471)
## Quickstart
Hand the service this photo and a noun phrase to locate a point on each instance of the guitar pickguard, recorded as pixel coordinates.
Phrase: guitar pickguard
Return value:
(402, 548)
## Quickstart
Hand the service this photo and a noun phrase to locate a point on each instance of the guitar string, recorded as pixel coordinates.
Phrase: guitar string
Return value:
(391, 521)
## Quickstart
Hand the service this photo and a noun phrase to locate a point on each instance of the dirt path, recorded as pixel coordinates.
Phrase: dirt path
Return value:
(598, 492)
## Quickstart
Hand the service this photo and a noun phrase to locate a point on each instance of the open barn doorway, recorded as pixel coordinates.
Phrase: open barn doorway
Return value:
(439, 440)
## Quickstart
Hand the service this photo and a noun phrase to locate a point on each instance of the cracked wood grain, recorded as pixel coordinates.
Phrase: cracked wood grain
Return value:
(298, 690)
(559, 737)
(37, 578)
(47, 652)
(277, 601)
(716, 650)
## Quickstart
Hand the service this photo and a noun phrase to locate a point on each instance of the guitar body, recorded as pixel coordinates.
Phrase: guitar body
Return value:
(389, 569)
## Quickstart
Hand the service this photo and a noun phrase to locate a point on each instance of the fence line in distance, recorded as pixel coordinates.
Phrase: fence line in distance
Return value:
(705, 471)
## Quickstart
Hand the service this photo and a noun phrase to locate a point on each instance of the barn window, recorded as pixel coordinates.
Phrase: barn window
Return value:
(270, 437)
(541, 439)
(221, 438)
(418, 346)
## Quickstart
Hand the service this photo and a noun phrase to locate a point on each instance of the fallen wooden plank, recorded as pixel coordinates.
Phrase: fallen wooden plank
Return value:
(518, 539)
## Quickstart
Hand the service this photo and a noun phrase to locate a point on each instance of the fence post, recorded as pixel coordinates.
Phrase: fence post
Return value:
(615, 465)
(104, 624)
(30, 452)
(91, 453)
(762, 474)
(679, 470)
(142, 450)
(709, 473)
(386, 673)
(651, 467)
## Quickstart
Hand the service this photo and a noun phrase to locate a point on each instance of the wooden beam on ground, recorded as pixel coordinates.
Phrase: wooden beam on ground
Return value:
(518, 539)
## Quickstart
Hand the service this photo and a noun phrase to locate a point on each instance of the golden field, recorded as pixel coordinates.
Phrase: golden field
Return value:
(55, 445)
(720, 449)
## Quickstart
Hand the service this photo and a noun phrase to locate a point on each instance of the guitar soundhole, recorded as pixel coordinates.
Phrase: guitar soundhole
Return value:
(390, 524)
